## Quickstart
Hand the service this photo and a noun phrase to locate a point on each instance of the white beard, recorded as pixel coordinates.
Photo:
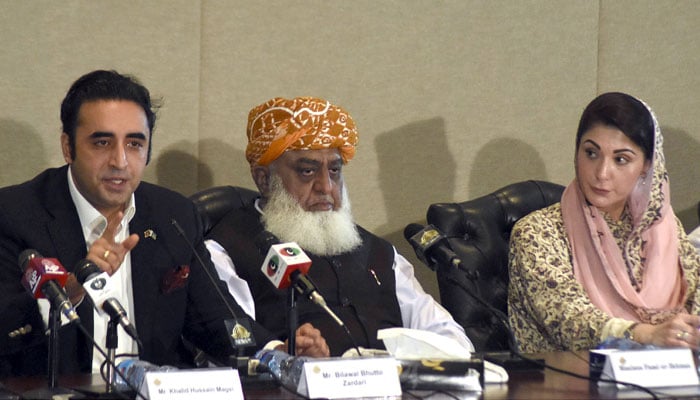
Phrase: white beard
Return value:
(324, 233)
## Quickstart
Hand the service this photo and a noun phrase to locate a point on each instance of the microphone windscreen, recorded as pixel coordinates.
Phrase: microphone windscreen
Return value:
(84, 269)
(25, 256)
(411, 230)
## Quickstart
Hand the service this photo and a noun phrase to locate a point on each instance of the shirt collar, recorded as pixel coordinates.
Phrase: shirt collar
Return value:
(91, 220)
(257, 205)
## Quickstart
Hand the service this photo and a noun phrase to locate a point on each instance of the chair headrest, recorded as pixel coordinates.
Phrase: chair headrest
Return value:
(215, 202)
(497, 211)
(478, 231)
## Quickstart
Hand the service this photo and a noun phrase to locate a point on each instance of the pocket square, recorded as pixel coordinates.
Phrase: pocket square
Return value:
(175, 279)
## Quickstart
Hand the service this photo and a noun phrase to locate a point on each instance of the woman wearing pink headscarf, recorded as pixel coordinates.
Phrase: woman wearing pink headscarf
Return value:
(611, 259)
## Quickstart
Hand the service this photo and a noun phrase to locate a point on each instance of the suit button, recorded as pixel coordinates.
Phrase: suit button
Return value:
(20, 331)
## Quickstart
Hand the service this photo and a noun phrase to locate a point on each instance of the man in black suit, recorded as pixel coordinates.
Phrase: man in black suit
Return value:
(96, 207)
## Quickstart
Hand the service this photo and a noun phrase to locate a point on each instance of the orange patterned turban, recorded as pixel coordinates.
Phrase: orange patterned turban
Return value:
(302, 123)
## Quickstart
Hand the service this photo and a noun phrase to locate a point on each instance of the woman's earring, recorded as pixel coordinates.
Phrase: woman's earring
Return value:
(643, 177)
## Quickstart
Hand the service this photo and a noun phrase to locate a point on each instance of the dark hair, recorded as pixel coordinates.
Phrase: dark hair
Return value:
(621, 111)
(104, 85)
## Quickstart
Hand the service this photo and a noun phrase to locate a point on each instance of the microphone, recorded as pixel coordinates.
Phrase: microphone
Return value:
(100, 288)
(239, 329)
(307, 288)
(45, 278)
(287, 265)
(284, 263)
(432, 248)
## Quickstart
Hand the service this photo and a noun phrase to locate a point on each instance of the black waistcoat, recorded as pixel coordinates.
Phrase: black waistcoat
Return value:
(358, 286)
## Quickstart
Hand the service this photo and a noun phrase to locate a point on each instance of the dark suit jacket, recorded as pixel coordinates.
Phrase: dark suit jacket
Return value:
(40, 215)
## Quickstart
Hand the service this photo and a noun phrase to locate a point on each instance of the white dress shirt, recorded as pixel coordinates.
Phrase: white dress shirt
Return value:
(94, 225)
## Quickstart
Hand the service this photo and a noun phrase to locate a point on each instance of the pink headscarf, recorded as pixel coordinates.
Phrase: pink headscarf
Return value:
(606, 272)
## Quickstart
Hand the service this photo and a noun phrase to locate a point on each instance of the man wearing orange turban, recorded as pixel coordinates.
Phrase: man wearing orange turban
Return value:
(297, 149)
(303, 123)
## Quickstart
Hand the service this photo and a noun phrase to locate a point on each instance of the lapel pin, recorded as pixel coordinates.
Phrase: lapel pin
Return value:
(148, 233)
(376, 278)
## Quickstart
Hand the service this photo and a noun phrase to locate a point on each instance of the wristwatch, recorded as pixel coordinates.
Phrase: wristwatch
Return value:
(628, 334)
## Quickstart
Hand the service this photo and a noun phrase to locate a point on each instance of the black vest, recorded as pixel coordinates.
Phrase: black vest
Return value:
(359, 286)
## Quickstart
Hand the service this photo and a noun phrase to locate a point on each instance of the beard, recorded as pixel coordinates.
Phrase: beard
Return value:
(324, 233)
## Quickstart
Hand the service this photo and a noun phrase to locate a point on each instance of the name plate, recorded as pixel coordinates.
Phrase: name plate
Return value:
(210, 384)
(339, 378)
(647, 368)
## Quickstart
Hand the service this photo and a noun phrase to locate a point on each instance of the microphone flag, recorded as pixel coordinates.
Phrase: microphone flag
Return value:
(282, 260)
(39, 270)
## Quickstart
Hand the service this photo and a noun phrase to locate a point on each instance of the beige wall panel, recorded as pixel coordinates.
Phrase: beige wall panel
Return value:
(651, 49)
(453, 99)
(47, 45)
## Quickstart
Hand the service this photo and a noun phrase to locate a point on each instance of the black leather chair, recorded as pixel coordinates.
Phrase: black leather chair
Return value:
(213, 203)
(478, 231)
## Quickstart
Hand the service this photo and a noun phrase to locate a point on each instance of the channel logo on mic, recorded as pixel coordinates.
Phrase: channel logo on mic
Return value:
(291, 251)
(98, 283)
(50, 266)
(283, 259)
(273, 265)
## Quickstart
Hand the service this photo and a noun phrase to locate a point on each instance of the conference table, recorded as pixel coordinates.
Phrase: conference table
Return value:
(523, 384)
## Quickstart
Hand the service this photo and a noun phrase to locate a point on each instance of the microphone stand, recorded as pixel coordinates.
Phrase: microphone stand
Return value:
(515, 360)
(53, 390)
(109, 390)
(111, 342)
(54, 324)
(292, 320)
